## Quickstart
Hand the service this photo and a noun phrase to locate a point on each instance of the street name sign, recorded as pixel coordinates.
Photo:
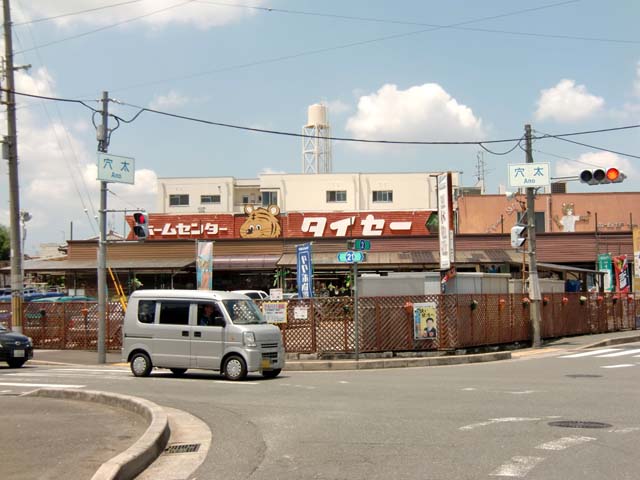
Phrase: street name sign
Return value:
(115, 168)
(351, 256)
(529, 174)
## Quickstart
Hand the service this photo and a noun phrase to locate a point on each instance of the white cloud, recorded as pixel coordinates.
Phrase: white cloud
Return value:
(337, 107)
(171, 100)
(636, 83)
(423, 112)
(201, 14)
(567, 102)
(269, 170)
(58, 172)
(594, 160)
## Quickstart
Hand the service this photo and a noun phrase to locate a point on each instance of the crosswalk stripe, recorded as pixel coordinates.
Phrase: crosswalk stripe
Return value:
(564, 442)
(517, 467)
(622, 365)
(620, 354)
(591, 353)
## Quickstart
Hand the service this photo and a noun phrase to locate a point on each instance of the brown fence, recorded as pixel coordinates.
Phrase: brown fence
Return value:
(325, 325)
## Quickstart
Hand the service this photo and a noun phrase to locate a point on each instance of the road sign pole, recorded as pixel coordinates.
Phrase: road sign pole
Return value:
(355, 310)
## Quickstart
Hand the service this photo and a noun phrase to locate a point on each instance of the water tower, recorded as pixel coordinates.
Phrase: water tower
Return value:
(316, 146)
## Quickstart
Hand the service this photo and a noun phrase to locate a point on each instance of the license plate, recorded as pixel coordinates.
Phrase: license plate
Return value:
(266, 363)
(18, 353)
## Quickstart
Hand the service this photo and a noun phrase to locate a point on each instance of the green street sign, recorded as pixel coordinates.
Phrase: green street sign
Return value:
(362, 245)
(351, 257)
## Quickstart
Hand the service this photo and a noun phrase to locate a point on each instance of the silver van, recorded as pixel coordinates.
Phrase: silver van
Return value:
(212, 330)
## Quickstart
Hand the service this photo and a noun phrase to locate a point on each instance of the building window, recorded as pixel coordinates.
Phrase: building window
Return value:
(336, 196)
(383, 196)
(209, 198)
(245, 199)
(269, 198)
(178, 200)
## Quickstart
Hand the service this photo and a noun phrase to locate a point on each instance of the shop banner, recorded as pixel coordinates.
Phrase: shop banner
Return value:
(623, 280)
(304, 275)
(204, 265)
(425, 321)
(636, 259)
(605, 265)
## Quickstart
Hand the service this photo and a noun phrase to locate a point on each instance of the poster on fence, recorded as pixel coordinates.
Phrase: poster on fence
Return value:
(275, 312)
(425, 321)
(636, 259)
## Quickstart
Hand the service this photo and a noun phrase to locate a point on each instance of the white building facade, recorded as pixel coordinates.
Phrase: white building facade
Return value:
(326, 192)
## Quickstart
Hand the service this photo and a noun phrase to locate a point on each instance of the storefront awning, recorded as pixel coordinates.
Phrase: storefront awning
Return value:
(411, 258)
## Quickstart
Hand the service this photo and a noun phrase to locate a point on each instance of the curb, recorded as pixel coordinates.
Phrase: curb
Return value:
(613, 341)
(144, 451)
(318, 365)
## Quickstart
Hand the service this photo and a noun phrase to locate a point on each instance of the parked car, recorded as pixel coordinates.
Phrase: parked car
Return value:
(15, 348)
(253, 294)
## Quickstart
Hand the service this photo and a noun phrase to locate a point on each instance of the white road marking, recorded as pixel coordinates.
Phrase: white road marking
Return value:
(622, 365)
(620, 354)
(100, 370)
(5, 391)
(591, 353)
(624, 430)
(45, 385)
(343, 381)
(498, 420)
(517, 467)
(524, 392)
(469, 389)
(565, 442)
(233, 382)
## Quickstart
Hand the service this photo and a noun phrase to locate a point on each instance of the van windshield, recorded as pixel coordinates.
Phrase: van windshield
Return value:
(243, 312)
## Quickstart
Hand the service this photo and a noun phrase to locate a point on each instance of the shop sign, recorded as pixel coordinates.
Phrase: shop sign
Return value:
(275, 312)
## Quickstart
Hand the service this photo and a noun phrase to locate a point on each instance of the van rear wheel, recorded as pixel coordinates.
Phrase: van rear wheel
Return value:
(235, 368)
(178, 372)
(141, 364)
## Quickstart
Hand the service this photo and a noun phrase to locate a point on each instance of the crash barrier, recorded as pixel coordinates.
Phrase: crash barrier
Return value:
(326, 324)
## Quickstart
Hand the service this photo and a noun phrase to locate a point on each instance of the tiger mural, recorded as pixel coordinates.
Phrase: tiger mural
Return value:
(261, 222)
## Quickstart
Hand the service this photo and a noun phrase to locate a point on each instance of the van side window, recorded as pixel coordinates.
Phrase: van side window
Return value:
(174, 313)
(147, 311)
(210, 315)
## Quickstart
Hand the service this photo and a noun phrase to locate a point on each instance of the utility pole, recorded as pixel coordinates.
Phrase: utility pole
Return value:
(103, 144)
(11, 144)
(534, 284)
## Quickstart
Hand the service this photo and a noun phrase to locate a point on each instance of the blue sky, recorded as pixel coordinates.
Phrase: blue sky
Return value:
(571, 66)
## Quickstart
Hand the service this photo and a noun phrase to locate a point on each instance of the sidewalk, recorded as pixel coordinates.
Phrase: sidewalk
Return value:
(83, 357)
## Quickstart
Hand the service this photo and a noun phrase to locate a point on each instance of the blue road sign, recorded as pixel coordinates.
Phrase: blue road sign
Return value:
(351, 257)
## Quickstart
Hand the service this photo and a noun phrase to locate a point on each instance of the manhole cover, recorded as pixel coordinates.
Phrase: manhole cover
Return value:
(583, 375)
(579, 424)
(182, 448)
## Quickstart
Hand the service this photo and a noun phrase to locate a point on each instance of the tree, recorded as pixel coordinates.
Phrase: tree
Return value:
(5, 243)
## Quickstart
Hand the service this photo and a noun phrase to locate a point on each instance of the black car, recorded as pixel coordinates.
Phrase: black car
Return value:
(15, 349)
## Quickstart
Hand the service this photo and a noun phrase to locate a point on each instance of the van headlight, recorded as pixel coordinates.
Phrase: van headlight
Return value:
(249, 339)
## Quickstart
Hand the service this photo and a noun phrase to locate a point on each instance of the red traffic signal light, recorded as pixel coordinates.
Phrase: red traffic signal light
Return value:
(141, 226)
(602, 176)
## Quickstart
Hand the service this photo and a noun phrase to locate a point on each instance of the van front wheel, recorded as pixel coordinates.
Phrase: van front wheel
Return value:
(141, 365)
(235, 368)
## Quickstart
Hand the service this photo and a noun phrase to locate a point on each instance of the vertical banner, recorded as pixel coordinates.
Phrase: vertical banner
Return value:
(304, 275)
(620, 266)
(605, 265)
(636, 259)
(445, 221)
(425, 321)
(204, 265)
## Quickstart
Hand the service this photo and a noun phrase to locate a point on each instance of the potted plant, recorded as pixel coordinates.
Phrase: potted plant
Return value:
(545, 300)
(583, 299)
(565, 300)
(525, 301)
(473, 305)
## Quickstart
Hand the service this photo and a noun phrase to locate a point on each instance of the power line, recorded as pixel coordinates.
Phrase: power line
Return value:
(106, 27)
(71, 14)
(141, 110)
(404, 22)
(561, 137)
(566, 158)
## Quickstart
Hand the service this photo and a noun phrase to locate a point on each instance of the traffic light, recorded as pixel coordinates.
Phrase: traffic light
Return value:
(141, 227)
(517, 236)
(602, 176)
